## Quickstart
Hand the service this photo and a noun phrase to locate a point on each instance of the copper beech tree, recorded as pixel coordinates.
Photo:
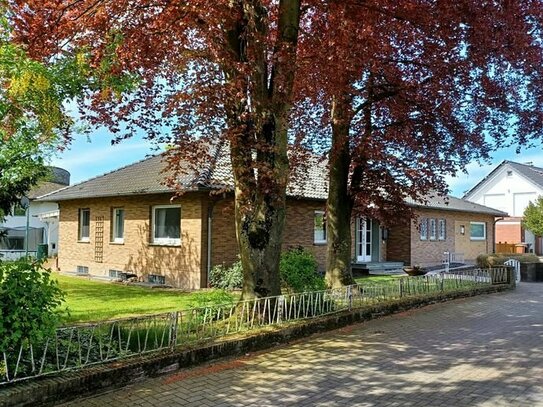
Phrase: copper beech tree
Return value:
(403, 93)
(409, 92)
(189, 74)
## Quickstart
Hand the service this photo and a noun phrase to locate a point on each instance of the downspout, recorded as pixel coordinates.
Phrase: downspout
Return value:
(496, 220)
(209, 230)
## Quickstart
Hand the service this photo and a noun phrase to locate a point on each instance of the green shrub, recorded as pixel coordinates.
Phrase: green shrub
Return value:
(213, 297)
(29, 303)
(227, 278)
(208, 305)
(298, 268)
(491, 260)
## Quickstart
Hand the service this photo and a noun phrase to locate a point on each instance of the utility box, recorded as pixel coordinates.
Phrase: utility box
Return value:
(42, 251)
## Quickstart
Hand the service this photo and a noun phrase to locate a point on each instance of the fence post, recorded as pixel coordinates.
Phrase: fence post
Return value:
(441, 282)
(401, 287)
(280, 306)
(350, 295)
(173, 329)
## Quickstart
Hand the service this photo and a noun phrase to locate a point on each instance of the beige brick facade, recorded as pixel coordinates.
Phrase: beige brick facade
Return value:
(184, 265)
(430, 252)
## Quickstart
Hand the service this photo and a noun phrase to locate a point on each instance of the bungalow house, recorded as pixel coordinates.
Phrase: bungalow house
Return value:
(510, 187)
(129, 221)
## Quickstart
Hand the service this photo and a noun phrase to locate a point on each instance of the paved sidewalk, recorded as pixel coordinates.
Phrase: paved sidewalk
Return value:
(480, 351)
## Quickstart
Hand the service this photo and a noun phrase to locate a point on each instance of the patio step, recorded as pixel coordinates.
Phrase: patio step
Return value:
(386, 265)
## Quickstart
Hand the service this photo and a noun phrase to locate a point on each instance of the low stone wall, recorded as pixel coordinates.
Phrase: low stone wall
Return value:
(67, 386)
(531, 272)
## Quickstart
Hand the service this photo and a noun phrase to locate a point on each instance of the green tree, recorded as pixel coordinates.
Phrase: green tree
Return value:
(533, 217)
(34, 120)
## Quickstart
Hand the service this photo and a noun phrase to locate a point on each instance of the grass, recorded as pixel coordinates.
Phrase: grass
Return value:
(378, 279)
(89, 300)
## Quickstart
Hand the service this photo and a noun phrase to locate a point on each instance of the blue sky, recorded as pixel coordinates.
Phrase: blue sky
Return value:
(90, 156)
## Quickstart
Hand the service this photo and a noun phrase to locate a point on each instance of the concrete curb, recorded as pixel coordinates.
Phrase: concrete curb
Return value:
(50, 390)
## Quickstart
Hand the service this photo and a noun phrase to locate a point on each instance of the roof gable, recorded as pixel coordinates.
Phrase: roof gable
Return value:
(531, 173)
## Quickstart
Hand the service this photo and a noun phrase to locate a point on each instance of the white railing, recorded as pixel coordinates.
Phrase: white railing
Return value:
(79, 346)
(15, 254)
(451, 257)
(515, 264)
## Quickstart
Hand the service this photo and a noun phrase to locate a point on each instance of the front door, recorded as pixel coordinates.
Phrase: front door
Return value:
(363, 240)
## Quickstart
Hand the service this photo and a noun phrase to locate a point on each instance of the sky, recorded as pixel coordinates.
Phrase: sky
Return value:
(94, 155)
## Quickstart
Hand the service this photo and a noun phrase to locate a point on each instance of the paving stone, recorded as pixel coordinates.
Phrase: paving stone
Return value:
(478, 351)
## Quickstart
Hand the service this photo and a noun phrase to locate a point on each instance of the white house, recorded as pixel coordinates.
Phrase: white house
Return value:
(509, 188)
(42, 220)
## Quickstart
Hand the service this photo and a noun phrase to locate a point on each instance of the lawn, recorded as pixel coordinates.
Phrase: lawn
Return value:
(89, 300)
(378, 279)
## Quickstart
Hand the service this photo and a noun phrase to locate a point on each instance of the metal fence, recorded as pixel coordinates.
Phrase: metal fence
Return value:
(84, 345)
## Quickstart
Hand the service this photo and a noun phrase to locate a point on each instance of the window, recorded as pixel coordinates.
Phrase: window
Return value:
(509, 173)
(117, 227)
(167, 224)
(319, 227)
(441, 229)
(84, 225)
(12, 243)
(423, 229)
(477, 230)
(433, 229)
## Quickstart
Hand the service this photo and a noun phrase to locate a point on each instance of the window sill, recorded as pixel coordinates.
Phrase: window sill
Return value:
(477, 239)
(321, 243)
(84, 241)
(156, 244)
(117, 243)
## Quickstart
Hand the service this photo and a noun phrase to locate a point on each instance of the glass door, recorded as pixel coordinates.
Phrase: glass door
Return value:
(364, 239)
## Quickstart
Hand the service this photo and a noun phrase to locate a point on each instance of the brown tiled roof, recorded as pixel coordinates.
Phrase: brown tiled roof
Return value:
(452, 203)
(146, 177)
(44, 188)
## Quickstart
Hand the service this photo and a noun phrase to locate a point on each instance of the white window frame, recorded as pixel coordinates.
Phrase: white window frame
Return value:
(432, 229)
(161, 240)
(441, 229)
(114, 238)
(319, 241)
(423, 229)
(80, 236)
(477, 237)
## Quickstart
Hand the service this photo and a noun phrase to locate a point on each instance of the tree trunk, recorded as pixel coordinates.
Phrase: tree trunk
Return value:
(339, 204)
(258, 147)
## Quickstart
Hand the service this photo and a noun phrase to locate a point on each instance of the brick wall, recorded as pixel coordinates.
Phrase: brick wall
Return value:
(182, 265)
(398, 245)
(298, 230)
(426, 252)
(509, 231)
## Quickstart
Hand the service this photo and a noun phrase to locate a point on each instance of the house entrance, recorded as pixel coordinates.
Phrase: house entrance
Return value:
(363, 240)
